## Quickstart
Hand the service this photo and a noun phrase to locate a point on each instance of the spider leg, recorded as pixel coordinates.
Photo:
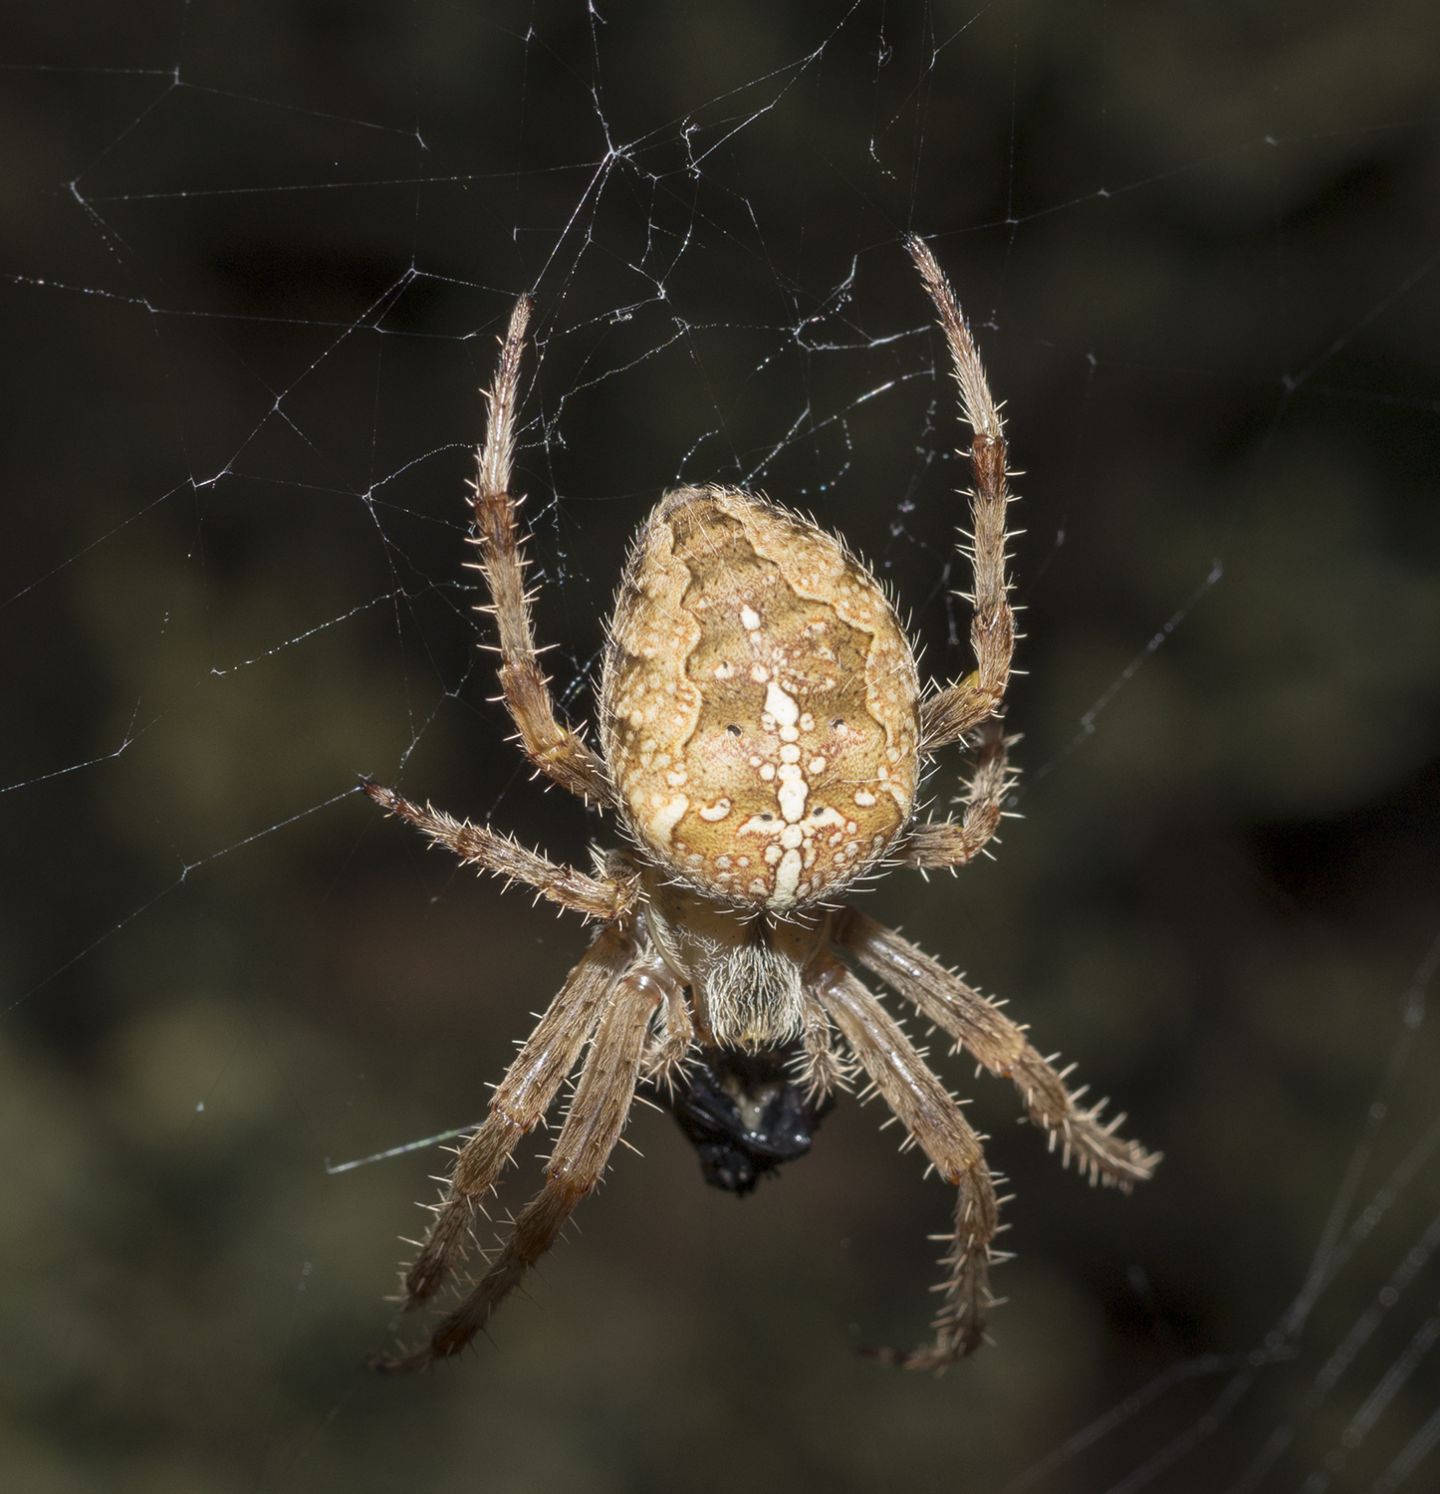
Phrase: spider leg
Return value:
(518, 1106)
(668, 1048)
(477, 845)
(942, 844)
(932, 1117)
(596, 1117)
(960, 707)
(980, 1028)
(556, 750)
(820, 1068)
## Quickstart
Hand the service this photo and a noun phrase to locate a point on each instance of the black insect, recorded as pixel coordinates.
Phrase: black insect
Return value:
(744, 1114)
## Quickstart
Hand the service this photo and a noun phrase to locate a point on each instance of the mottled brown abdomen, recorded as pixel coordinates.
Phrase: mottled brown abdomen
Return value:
(759, 702)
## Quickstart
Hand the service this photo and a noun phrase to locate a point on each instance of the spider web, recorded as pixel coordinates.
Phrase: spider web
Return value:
(254, 266)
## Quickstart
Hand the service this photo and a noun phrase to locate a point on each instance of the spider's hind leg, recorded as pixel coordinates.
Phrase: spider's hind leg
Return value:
(930, 1114)
(597, 1116)
(981, 1029)
(519, 1104)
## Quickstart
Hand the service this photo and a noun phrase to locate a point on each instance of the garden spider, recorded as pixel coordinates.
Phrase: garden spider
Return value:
(762, 734)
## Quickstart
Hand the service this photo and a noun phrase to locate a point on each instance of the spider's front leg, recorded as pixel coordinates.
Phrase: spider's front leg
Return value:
(558, 751)
(961, 707)
(932, 1116)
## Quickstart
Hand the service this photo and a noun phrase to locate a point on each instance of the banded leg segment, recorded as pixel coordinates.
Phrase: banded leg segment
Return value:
(932, 1117)
(959, 708)
(671, 1042)
(980, 1028)
(596, 1117)
(945, 844)
(477, 845)
(556, 750)
(524, 1095)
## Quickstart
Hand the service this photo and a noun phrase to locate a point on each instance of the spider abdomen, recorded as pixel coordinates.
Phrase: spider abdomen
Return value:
(759, 703)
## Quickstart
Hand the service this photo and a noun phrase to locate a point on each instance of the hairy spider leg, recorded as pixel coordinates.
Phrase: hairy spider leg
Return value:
(597, 1116)
(942, 845)
(519, 1104)
(608, 897)
(558, 751)
(947, 715)
(980, 1028)
(932, 1116)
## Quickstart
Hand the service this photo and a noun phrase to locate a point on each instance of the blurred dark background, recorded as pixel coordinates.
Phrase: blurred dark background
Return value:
(254, 259)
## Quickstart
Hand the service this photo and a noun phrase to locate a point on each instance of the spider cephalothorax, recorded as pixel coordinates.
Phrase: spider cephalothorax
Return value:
(763, 731)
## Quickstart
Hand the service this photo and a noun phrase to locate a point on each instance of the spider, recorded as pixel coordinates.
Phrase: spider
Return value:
(762, 736)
